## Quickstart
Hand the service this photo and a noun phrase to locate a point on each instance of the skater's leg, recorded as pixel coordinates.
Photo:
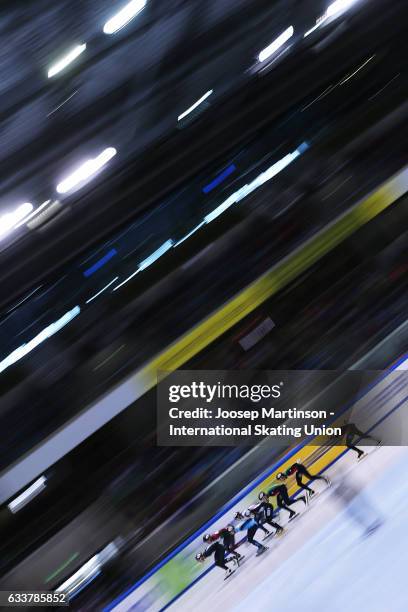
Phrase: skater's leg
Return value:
(350, 445)
(262, 528)
(286, 500)
(274, 525)
(282, 504)
(233, 552)
(219, 560)
(357, 450)
(269, 518)
(306, 473)
(250, 536)
(302, 485)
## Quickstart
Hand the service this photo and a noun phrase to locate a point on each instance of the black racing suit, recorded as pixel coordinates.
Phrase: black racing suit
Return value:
(300, 470)
(218, 551)
(263, 513)
(282, 497)
(351, 431)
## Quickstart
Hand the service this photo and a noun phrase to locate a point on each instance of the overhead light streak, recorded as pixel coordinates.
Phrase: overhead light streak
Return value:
(102, 290)
(237, 196)
(26, 496)
(24, 299)
(148, 261)
(350, 76)
(86, 171)
(88, 572)
(65, 61)
(46, 333)
(195, 105)
(34, 213)
(262, 178)
(156, 254)
(276, 44)
(124, 16)
(62, 104)
(338, 7)
(11, 220)
(193, 231)
(82, 577)
(334, 10)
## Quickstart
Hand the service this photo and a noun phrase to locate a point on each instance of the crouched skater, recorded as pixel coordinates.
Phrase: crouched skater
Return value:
(250, 525)
(219, 552)
(352, 434)
(262, 512)
(227, 536)
(300, 471)
(282, 498)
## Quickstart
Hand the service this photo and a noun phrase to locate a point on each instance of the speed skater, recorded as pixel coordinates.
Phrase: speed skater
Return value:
(219, 552)
(282, 498)
(242, 523)
(262, 512)
(299, 470)
(351, 431)
(227, 535)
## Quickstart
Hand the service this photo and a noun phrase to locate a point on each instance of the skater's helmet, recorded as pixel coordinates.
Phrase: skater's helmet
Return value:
(261, 495)
(230, 528)
(247, 513)
(206, 537)
(299, 461)
(200, 557)
(280, 476)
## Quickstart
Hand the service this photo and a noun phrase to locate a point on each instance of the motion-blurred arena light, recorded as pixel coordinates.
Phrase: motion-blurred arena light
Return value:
(123, 17)
(26, 496)
(86, 171)
(66, 60)
(276, 44)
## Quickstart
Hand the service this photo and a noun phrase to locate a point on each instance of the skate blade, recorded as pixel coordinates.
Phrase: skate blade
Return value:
(229, 575)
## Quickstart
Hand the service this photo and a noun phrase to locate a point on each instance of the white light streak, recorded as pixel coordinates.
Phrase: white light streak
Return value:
(334, 10)
(11, 220)
(262, 178)
(123, 17)
(86, 171)
(193, 231)
(338, 7)
(34, 213)
(148, 261)
(194, 106)
(26, 496)
(276, 44)
(66, 60)
(156, 254)
(46, 333)
(102, 290)
(350, 76)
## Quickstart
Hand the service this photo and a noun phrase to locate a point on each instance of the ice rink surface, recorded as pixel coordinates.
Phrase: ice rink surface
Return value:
(324, 562)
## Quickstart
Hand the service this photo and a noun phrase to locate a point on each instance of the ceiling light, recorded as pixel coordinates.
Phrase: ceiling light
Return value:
(122, 18)
(66, 60)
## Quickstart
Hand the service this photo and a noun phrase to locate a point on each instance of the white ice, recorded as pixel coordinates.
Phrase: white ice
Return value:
(324, 563)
